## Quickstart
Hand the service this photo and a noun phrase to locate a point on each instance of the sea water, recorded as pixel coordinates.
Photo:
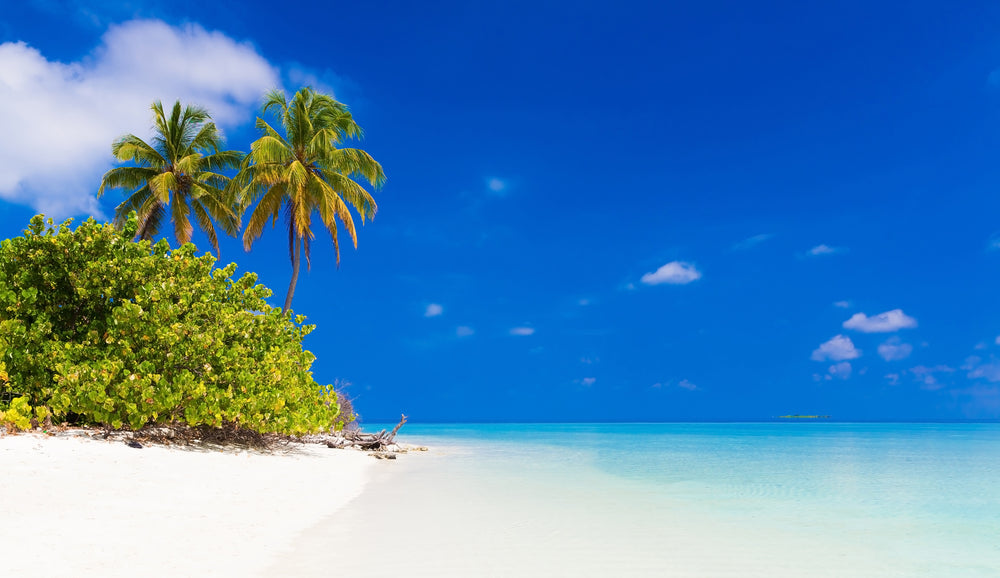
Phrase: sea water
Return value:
(758, 499)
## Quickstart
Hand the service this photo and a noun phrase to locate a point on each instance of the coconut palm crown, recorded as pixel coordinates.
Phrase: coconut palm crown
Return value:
(301, 171)
(179, 172)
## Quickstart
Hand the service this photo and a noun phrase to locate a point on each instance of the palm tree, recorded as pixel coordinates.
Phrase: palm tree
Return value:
(179, 172)
(303, 171)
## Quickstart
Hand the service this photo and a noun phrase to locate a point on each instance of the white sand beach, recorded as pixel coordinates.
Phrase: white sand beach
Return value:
(74, 506)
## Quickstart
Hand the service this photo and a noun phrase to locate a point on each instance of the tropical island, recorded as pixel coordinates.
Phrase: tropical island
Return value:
(111, 342)
(102, 328)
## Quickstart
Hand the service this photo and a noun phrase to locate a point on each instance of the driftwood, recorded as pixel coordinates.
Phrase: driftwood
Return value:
(381, 445)
(377, 442)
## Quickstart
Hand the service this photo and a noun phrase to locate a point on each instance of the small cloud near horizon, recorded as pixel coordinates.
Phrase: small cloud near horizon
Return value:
(886, 322)
(684, 384)
(842, 304)
(522, 331)
(588, 381)
(977, 368)
(673, 273)
(433, 310)
(824, 249)
(838, 348)
(928, 376)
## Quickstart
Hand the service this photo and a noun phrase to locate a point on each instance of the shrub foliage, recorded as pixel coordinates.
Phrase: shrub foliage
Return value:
(97, 329)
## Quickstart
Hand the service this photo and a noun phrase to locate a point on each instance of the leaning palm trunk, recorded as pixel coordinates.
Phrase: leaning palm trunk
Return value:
(296, 258)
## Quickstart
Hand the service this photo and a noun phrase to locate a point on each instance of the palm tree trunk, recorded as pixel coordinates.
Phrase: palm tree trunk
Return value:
(295, 275)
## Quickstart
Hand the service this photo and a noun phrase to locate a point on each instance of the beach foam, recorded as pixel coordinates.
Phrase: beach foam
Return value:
(77, 506)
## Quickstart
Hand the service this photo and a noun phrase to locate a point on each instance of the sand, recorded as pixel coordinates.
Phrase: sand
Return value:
(73, 506)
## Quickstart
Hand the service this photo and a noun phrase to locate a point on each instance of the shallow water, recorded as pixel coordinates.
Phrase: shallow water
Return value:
(775, 499)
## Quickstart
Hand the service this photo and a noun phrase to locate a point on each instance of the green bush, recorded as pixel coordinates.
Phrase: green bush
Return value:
(97, 329)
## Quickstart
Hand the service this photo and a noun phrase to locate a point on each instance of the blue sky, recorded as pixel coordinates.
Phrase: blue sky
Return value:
(711, 210)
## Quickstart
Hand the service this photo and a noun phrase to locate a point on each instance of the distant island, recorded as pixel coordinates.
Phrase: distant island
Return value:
(797, 416)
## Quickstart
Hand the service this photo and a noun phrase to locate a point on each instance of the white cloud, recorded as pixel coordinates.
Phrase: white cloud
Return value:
(433, 310)
(464, 331)
(928, 376)
(980, 369)
(588, 381)
(673, 273)
(671, 384)
(893, 350)
(842, 304)
(522, 331)
(73, 111)
(838, 348)
(882, 323)
(685, 384)
(751, 242)
(997, 340)
(841, 370)
(496, 186)
(819, 250)
(892, 378)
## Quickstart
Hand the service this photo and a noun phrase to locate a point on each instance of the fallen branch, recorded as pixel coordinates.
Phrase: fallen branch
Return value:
(377, 442)
(395, 430)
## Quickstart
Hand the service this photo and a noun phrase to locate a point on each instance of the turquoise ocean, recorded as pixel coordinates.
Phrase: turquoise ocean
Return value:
(804, 498)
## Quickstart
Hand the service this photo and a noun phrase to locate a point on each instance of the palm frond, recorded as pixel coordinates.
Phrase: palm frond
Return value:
(127, 178)
(352, 162)
(179, 212)
(130, 148)
(205, 224)
(162, 185)
(218, 205)
(268, 209)
(151, 215)
(134, 202)
(222, 160)
(352, 193)
(331, 208)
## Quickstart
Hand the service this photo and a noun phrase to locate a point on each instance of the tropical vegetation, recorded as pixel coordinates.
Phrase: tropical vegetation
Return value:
(302, 170)
(179, 171)
(97, 329)
(99, 326)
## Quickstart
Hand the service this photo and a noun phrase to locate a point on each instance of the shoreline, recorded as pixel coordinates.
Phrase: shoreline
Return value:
(93, 507)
